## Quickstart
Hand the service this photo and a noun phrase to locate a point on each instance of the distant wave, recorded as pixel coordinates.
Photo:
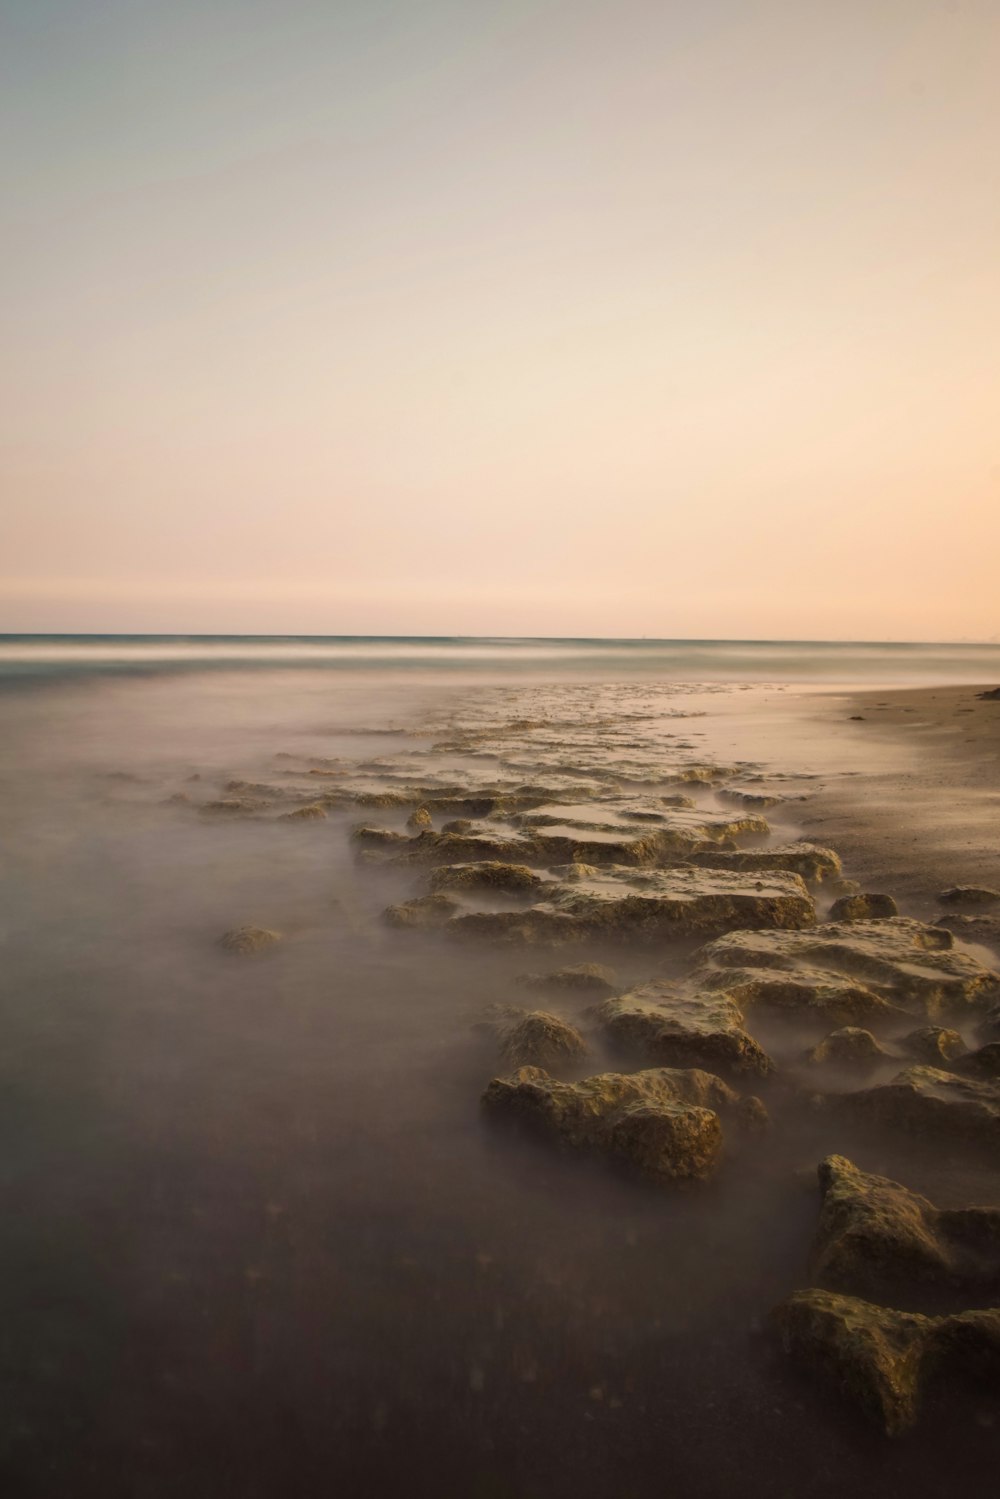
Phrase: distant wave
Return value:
(36, 658)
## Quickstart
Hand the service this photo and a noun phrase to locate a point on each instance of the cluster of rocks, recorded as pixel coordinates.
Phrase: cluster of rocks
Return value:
(876, 1238)
(593, 831)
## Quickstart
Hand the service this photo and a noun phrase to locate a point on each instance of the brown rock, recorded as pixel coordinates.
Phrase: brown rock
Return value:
(863, 908)
(248, 941)
(679, 1027)
(659, 1123)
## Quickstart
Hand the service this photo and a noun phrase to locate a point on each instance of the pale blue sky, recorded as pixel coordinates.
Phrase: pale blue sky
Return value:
(645, 318)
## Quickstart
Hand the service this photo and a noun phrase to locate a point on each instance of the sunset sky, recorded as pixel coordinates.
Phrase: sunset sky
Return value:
(445, 316)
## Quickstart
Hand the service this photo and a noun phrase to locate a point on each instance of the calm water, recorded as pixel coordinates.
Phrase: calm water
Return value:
(255, 1238)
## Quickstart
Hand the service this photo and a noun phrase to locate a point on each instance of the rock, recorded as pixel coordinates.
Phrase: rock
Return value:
(535, 1038)
(312, 811)
(620, 904)
(848, 1047)
(488, 875)
(898, 960)
(594, 833)
(675, 1026)
(933, 1044)
(822, 999)
(761, 799)
(876, 1238)
(814, 864)
(235, 806)
(457, 825)
(863, 908)
(379, 838)
(931, 1102)
(249, 940)
(660, 1123)
(990, 696)
(873, 1355)
(984, 929)
(988, 1028)
(984, 1063)
(419, 818)
(425, 913)
(582, 978)
(885, 1360)
(970, 895)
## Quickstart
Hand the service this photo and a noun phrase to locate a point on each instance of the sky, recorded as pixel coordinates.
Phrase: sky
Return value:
(454, 317)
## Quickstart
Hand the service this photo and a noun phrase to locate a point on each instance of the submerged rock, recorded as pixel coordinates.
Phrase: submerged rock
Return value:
(621, 904)
(249, 940)
(311, 812)
(851, 1046)
(970, 895)
(673, 1025)
(984, 1063)
(425, 913)
(535, 1038)
(900, 961)
(931, 1102)
(884, 1360)
(875, 1237)
(487, 875)
(235, 806)
(662, 1124)
(582, 978)
(934, 1044)
(742, 798)
(865, 907)
(983, 929)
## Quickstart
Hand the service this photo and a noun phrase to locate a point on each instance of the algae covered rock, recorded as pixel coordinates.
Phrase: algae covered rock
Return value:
(930, 1102)
(310, 812)
(876, 1237)
(885, 1361)
(680, 1027)
(970, 895)
(934, 1044)
(863, 907)
(594, 979)
(248, 941)
(419, 818)
(490, 874)
(624, 904)
(660, 1123)
(871, 1354)
(851, 1046)
(900, 961)
(425, 913)
(813, 863)
(535, 1038)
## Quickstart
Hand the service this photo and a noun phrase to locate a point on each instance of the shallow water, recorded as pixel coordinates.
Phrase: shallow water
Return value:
(256, 1237)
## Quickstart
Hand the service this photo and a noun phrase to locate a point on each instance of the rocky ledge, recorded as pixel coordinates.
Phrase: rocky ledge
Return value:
(895, 964)
(622, 904)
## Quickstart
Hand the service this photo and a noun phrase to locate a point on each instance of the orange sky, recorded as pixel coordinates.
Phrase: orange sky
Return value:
(589, 319)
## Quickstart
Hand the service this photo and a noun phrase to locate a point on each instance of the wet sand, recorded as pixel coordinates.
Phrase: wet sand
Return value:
(926, 815)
